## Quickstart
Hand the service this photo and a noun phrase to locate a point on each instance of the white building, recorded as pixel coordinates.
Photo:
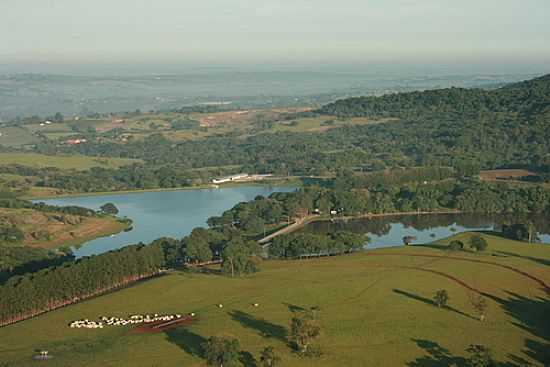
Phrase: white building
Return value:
(240, 176)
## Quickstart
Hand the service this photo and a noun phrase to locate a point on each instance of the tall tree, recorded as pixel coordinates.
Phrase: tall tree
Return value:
(479, 356)
(305, 327)
(441, 298)
(222, 352)
(478, 243)
(240, 257)
(109, 208)
(269, 358)
(197, 249)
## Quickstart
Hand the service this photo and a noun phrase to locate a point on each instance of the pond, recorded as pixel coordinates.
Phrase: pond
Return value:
(389, 231)
(163, 213)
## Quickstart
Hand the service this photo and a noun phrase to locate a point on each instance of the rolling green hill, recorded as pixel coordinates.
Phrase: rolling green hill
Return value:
(376, 310)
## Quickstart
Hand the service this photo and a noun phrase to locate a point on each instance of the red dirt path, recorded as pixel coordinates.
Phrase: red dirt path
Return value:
(160, 326)
(541, 282)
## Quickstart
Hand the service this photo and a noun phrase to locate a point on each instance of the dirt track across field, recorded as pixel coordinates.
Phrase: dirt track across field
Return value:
(541, 282)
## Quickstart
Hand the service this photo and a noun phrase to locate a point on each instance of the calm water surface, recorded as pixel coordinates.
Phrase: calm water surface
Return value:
(389, 231)
(163, 214)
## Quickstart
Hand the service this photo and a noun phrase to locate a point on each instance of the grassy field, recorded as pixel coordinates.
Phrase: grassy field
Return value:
(16, 137)
(64, 162)
(376, 311)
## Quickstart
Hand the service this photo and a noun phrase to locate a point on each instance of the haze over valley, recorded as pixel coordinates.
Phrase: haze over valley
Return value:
(291, 183)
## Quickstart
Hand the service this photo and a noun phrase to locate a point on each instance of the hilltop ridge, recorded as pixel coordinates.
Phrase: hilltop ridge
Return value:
(529, 97)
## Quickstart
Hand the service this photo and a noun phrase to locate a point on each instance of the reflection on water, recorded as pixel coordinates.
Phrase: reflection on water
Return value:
(163, 214)
(389, 231)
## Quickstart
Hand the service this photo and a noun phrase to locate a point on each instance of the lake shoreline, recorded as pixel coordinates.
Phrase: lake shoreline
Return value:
(301, 223)
(275, 183)
(164, 213)
(116, 228)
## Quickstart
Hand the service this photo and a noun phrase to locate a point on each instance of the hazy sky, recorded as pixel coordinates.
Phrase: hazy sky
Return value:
(274, 31)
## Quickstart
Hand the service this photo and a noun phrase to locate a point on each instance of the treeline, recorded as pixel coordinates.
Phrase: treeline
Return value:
(26, 296)
(131, 177)
(19, 260)
(297, 246)
(347, 179)
(252, 217)
(29, 289)
(458, 195)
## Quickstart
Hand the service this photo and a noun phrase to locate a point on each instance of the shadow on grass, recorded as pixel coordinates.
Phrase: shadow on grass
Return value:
(533, 259)
(437, 356)
(201, 270)
(247, 359)
(263, 327)
(431, 302)
(531, 315)
(294, 308)
(186, 340)
(431, 245)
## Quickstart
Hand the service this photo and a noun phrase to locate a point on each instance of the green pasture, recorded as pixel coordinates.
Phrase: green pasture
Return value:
(14, 136)
(376, 310)
(77, 162)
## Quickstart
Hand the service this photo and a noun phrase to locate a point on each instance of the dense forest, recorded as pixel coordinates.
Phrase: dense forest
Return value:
(503, 127)
(457, 195)
(527, 99)
(22, 297)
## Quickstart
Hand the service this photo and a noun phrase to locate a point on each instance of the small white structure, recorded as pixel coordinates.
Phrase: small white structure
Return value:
(48, 122)
(240, 176)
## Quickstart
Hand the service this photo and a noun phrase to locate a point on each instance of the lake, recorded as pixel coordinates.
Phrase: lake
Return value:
(389, 231)
(163, 213)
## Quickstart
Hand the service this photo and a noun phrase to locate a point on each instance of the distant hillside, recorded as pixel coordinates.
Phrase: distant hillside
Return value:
(527, 98)
(502, 128)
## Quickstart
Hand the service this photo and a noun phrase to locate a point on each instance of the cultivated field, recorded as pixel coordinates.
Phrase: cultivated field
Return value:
(63, 162)
(125, 128)
(376, 311)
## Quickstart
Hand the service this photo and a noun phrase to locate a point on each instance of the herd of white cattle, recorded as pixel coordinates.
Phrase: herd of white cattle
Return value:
(117, 321)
